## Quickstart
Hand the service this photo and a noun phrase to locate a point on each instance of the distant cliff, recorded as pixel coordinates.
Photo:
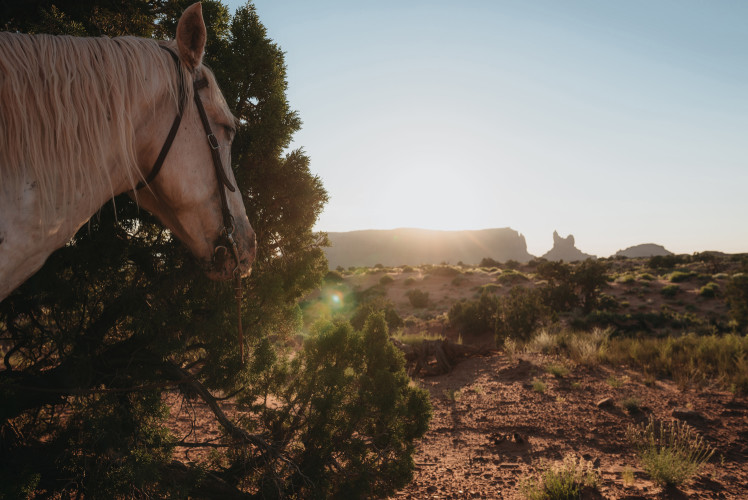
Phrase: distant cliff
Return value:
(396, 247)
(564, 249)
(645, 250)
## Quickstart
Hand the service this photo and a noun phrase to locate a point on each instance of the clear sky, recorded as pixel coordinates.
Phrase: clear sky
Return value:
(620, 122)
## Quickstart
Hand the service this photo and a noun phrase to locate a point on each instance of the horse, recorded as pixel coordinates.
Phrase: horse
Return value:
(85, 119)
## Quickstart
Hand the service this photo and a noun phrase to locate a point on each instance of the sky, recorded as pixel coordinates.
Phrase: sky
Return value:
(620, 122)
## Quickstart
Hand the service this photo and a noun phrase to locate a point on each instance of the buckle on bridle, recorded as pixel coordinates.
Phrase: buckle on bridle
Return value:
(213, 141)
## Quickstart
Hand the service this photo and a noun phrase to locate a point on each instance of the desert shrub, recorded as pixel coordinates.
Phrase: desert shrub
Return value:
(671, 452)
(534, 263)
(386, 280)
(646, 277)
(369, 294)
(557, 370)
(670, 290)
(519, 314)
(559, 294)
(589, 277)
(408, 269)
(668, 261)
(354, 411)
(510, 276)
(376, 305)
(445, 271)
(409, 281)
(689, 358)
(681, 276)
(418, 298)
(565, 481)
(543, 341)
(736, 294)
(607, 302)
(632, 405)
(512, 264)
(334, 277)
(538, 385)
(489, 262)
(709, 291)
(458, 280)
(626, 279)
(559, 297)
(490, 288)
(474, 317)
(586, 348)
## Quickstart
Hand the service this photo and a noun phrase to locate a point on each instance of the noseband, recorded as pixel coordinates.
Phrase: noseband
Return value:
(223, 180)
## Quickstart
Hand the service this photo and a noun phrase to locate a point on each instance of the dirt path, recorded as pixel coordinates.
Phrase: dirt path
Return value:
(491, 430)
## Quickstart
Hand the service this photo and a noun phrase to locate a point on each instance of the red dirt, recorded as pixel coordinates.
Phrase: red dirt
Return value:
(497, 431)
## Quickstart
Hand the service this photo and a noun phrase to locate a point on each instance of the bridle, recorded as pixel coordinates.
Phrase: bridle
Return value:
(223, 181)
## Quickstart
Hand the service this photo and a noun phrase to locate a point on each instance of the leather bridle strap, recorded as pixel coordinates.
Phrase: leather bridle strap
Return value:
(228, 219)
(223, 180)
(174, 126)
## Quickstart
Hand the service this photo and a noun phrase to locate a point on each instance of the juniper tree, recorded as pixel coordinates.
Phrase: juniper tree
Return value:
(121, 316)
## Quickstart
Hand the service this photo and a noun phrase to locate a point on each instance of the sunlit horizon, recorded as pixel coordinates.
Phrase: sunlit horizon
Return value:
(619, 123)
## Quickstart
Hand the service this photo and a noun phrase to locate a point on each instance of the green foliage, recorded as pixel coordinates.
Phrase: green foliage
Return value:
(107, 333)
(445, 271)
(670, 290)
(671, 452)
(418, 298)
(519, 314)
(736, 294)
(626, 279)
(709, 291)
(386, 280)
(557, 370)
(565, 481)
(681, 276)
(538, 385)
(355, 416)
(632, 405)
(511, 277)
(476, 317)
(333, 277)
(590, 276)
(489, 262)
(668, 261)
(377, 304)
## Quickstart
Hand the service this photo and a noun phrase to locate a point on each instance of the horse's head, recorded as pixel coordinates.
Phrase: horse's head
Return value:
(194, 192)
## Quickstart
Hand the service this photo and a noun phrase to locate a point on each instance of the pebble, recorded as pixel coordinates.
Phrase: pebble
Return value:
(604, 403)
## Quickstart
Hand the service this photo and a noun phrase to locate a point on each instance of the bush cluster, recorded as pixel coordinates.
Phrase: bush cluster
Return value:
(418, 298)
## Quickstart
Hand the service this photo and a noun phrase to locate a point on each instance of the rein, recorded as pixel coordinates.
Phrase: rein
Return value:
(223, 180)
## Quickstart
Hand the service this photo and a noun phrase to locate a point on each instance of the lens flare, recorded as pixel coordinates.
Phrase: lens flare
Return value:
(336, 299)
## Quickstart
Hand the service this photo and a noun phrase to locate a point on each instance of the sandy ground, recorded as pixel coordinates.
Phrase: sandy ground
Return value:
(492, 430)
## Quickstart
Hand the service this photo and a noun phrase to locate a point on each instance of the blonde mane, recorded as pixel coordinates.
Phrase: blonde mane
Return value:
(66, 111)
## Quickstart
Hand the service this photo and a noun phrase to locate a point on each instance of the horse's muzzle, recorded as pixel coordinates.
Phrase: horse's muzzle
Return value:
(226, 263)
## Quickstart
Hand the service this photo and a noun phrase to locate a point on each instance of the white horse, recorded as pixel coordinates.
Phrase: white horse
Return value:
(85, 119)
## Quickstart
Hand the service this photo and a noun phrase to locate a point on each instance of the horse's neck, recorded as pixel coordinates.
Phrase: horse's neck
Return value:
(28, 237)
(29, 234)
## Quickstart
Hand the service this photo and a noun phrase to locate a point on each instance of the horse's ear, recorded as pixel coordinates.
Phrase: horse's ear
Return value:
(191, 36)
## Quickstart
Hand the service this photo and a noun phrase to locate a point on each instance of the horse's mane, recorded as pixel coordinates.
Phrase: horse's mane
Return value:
(65, 111)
